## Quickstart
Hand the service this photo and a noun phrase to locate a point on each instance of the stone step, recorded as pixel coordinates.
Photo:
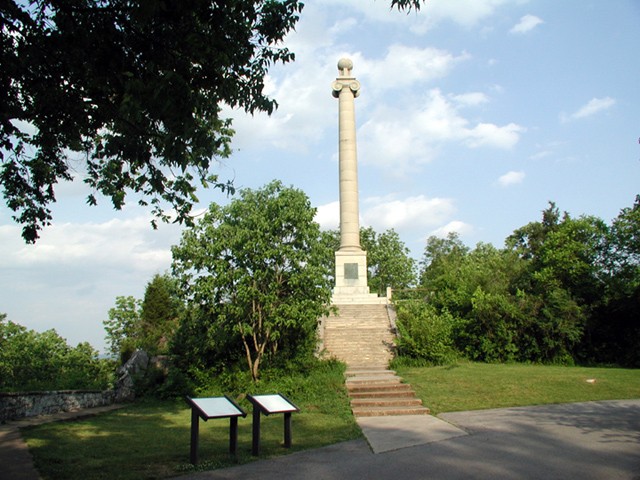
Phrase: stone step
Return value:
(373, 340)
(383, 393)
(356, 332)
(372, 357)
(373, 380)
(361, 336)
(381, 387)
(355, 345)
(379, 351)
(385, 402)
(360, 307)
(357, 341)
(367, 370)
(387, 411)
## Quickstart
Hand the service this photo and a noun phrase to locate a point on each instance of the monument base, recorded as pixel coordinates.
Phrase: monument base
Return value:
(351, 279)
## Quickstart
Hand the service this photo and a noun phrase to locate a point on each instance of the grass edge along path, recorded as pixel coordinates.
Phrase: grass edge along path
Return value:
(467, 386)
(151, 439)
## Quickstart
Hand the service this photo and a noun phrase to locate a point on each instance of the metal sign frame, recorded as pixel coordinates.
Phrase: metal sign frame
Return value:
(213, 407)
(268, 404)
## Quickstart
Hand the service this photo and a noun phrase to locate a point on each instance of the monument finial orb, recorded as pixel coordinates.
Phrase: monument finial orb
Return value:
(345, 65)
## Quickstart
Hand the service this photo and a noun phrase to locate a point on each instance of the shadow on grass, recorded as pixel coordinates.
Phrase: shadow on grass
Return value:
(152, 440)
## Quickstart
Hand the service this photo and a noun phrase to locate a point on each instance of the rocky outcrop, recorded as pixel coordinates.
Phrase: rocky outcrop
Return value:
(133, 370)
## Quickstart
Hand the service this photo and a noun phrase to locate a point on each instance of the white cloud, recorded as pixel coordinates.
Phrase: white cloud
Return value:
(302, 90)
(383, 213)
(466, 13)
(463, 12)
(407, 66)
(402, 138)
(328, 216)
(130, 244)
(511, 178)
(526, 24)
(304, 109)
(593, 106)
(490, 135)
(70, 278)
(393, 143)
(541, 154)
(470, 99)
(454, 226)
(411, 213)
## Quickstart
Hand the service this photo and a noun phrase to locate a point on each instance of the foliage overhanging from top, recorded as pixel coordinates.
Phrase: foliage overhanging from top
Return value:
(134, 88)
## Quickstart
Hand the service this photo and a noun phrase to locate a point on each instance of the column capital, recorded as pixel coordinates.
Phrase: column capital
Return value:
(342, 82)
(345, 79)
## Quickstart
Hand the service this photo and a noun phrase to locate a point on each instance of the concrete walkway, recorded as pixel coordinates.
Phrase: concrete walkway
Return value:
(582, 441)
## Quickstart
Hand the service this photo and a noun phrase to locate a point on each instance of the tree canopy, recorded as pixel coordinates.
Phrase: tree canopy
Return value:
(563, 290)
(128, 93)
(133, 86)
(31, 360)
(254, 269)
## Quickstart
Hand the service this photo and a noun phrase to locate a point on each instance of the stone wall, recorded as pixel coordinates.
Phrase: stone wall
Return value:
(30, 404)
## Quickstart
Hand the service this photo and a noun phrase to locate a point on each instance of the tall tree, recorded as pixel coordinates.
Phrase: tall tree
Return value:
(133, 87)
(159, 314)
(256, 267)
(122, 327)
(614, 332)
(568, 252)
(625, 240)
(388, 261)
(440, 254)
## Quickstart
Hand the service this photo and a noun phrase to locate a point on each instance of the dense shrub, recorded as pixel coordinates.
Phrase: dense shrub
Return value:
(424, 333)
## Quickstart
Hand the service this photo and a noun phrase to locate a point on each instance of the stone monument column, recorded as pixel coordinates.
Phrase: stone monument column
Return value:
(351, 260)
(346, 89)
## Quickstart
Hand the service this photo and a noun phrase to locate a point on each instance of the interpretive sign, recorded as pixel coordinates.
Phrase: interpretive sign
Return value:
(268, 404)
(214, 407)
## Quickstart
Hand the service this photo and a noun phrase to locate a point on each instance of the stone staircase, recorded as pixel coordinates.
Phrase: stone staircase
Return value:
(361, 336)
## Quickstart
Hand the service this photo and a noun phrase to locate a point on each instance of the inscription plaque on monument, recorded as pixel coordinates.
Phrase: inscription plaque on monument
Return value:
(351, 271)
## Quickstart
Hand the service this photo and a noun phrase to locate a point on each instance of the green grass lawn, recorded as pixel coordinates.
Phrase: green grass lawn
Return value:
(476, 386)
(152, 439)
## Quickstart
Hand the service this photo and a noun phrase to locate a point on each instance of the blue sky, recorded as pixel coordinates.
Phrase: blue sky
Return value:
(473, 115)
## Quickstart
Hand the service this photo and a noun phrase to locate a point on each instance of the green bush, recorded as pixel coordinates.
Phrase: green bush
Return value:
(424, 333)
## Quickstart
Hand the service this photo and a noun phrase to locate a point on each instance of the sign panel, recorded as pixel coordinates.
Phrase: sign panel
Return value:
(216, 407)
(274, 403)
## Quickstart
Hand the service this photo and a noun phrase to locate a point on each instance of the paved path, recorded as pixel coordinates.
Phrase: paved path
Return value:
(583, 441)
